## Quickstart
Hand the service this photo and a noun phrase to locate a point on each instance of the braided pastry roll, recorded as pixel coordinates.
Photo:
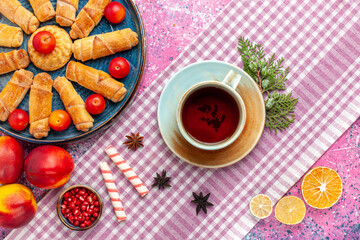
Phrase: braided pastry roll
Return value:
(96, 80)
(40, 105)
(13, 60)
(88, 18)
(74, 104)
(10, 36)
(43, 9)
(66, 12)
(14, 92)
(19, 15)
(106, 44)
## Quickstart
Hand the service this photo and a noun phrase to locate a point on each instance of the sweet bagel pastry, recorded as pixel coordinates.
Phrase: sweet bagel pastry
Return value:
(74, 104)
(13, 60)
(57, 58)
(40, 100)
(14, 92)
(43, 9)
(88, 18)
(95, 80)
(10, 36)
(66, 12)
(15, 12)
(105, 44)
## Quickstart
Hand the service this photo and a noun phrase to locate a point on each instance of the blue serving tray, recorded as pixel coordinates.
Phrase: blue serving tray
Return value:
(135, 56)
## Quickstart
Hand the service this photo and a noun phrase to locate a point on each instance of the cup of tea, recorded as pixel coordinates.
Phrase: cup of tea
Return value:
(211, 115)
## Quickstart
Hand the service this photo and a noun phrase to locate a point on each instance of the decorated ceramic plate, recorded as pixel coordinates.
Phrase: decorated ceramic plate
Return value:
(135, 56)
(178, 85)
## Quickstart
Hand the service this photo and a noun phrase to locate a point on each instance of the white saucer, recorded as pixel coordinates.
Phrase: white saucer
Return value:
(171, 95)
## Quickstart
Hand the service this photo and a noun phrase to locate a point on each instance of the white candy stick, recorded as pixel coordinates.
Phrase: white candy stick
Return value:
(113, 192)
(127, 170)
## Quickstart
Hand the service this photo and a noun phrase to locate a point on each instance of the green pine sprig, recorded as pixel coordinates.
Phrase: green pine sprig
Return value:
(270, 76)
(280, 111)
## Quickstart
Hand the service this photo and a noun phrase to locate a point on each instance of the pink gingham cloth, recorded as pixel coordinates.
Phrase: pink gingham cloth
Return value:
(320, 42)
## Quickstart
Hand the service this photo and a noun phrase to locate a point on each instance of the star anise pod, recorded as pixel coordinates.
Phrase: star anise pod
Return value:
(161, 181)
(202, 202)
(134, 141)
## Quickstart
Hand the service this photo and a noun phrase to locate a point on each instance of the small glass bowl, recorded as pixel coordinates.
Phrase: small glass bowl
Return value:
(66, 221)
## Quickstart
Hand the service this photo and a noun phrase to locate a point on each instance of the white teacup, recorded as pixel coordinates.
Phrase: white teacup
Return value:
(205, 126)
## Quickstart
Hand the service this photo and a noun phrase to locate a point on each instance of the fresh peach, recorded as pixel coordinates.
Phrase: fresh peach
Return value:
(17, 205)
(48, 167)
(11, 160)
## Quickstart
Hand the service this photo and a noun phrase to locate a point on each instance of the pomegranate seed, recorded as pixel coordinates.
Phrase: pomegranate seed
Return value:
(80, 207)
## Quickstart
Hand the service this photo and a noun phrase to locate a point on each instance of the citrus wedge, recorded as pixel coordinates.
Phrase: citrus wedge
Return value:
(261, 206)
(290, 210)
(321, 187)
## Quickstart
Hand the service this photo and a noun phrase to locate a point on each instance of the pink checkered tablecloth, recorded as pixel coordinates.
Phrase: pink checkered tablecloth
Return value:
(319, 41)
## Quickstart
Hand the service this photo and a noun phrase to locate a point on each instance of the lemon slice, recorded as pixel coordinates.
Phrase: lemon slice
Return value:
(261, 206)
(321, 187)
(290, 210)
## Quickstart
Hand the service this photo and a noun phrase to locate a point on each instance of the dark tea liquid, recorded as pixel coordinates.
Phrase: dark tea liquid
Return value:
(210, 115)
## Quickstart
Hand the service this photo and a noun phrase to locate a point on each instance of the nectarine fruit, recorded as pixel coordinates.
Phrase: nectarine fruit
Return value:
(48, 167)
(17, 205)
(11, 160)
